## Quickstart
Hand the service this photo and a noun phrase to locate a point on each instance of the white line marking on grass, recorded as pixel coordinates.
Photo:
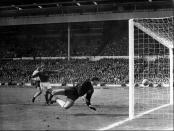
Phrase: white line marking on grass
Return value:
(168, 129)
(149, 111)
(128, 119)
(114, 124)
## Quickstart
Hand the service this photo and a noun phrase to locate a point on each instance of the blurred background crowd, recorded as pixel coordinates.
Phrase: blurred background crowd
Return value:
(110, 71)
(86, 39)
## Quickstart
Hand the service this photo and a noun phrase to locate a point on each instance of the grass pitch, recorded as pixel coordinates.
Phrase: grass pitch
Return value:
(17, 112)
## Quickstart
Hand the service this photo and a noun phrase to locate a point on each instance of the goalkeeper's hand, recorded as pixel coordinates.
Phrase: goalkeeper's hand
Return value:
(92, 108)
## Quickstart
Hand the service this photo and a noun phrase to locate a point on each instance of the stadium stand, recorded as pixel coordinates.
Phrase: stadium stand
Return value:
(109, 70)
(35, 47)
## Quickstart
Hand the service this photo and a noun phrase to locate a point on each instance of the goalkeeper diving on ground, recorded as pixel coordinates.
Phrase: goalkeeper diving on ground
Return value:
(73, 93)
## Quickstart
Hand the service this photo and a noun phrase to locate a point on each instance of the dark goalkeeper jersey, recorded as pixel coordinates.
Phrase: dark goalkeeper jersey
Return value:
(85, 88)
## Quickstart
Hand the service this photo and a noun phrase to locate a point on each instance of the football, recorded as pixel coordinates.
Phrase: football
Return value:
(145, 82)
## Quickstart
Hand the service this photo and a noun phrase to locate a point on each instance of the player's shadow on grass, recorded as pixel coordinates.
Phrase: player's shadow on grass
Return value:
(113, 106)
(100, 114)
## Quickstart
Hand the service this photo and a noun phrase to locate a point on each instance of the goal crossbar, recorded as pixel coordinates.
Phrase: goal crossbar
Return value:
(158, 38)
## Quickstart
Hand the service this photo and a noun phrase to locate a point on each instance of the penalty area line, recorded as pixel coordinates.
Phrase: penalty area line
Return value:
(128, 119)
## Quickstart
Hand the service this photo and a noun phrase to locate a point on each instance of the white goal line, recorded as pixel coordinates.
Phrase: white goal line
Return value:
(128, 119)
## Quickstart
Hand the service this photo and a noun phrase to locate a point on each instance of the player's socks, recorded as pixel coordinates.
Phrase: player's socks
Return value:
(46, 98)
(60, 102)
(52, 101)
(33, 99)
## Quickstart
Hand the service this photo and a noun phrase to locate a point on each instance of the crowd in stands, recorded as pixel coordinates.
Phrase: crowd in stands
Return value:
(54, 47)
(157, 71)
(108, 70)
(35, 47)
(116, 48)
(86, 47)
(113, 71)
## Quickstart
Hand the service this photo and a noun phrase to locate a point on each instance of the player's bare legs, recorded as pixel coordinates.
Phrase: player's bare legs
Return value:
(56, 92)
(37, 94)
(48, 95)
(68, 103)
(65, 104)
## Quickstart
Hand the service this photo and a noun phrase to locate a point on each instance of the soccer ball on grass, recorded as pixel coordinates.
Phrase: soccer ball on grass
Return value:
(145, 82)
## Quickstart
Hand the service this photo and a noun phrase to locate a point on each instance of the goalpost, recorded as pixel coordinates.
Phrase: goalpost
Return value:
(151, 43)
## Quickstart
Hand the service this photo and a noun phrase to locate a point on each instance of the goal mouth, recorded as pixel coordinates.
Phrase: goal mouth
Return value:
(151, 43)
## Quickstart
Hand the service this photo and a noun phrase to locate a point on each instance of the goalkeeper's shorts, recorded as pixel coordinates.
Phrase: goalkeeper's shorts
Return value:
(71, 93)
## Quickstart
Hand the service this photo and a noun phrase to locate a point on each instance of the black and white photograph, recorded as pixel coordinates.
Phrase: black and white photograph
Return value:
(86, 64)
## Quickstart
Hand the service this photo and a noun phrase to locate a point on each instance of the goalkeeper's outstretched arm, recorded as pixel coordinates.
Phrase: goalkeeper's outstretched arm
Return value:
(88, 99)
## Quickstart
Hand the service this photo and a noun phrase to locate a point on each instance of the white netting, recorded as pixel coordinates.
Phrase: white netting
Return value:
(162, 27)
(152, 62)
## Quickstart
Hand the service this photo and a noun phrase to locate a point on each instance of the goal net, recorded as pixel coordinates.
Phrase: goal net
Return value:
(151, 67)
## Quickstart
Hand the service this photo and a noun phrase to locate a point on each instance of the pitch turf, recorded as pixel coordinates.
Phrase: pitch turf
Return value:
(17, 112)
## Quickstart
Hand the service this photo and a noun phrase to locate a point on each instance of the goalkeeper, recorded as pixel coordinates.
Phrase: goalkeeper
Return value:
(73, 93)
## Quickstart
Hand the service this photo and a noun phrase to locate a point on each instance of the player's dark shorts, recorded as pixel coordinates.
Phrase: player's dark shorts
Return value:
(71, 93)
(35, 83)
